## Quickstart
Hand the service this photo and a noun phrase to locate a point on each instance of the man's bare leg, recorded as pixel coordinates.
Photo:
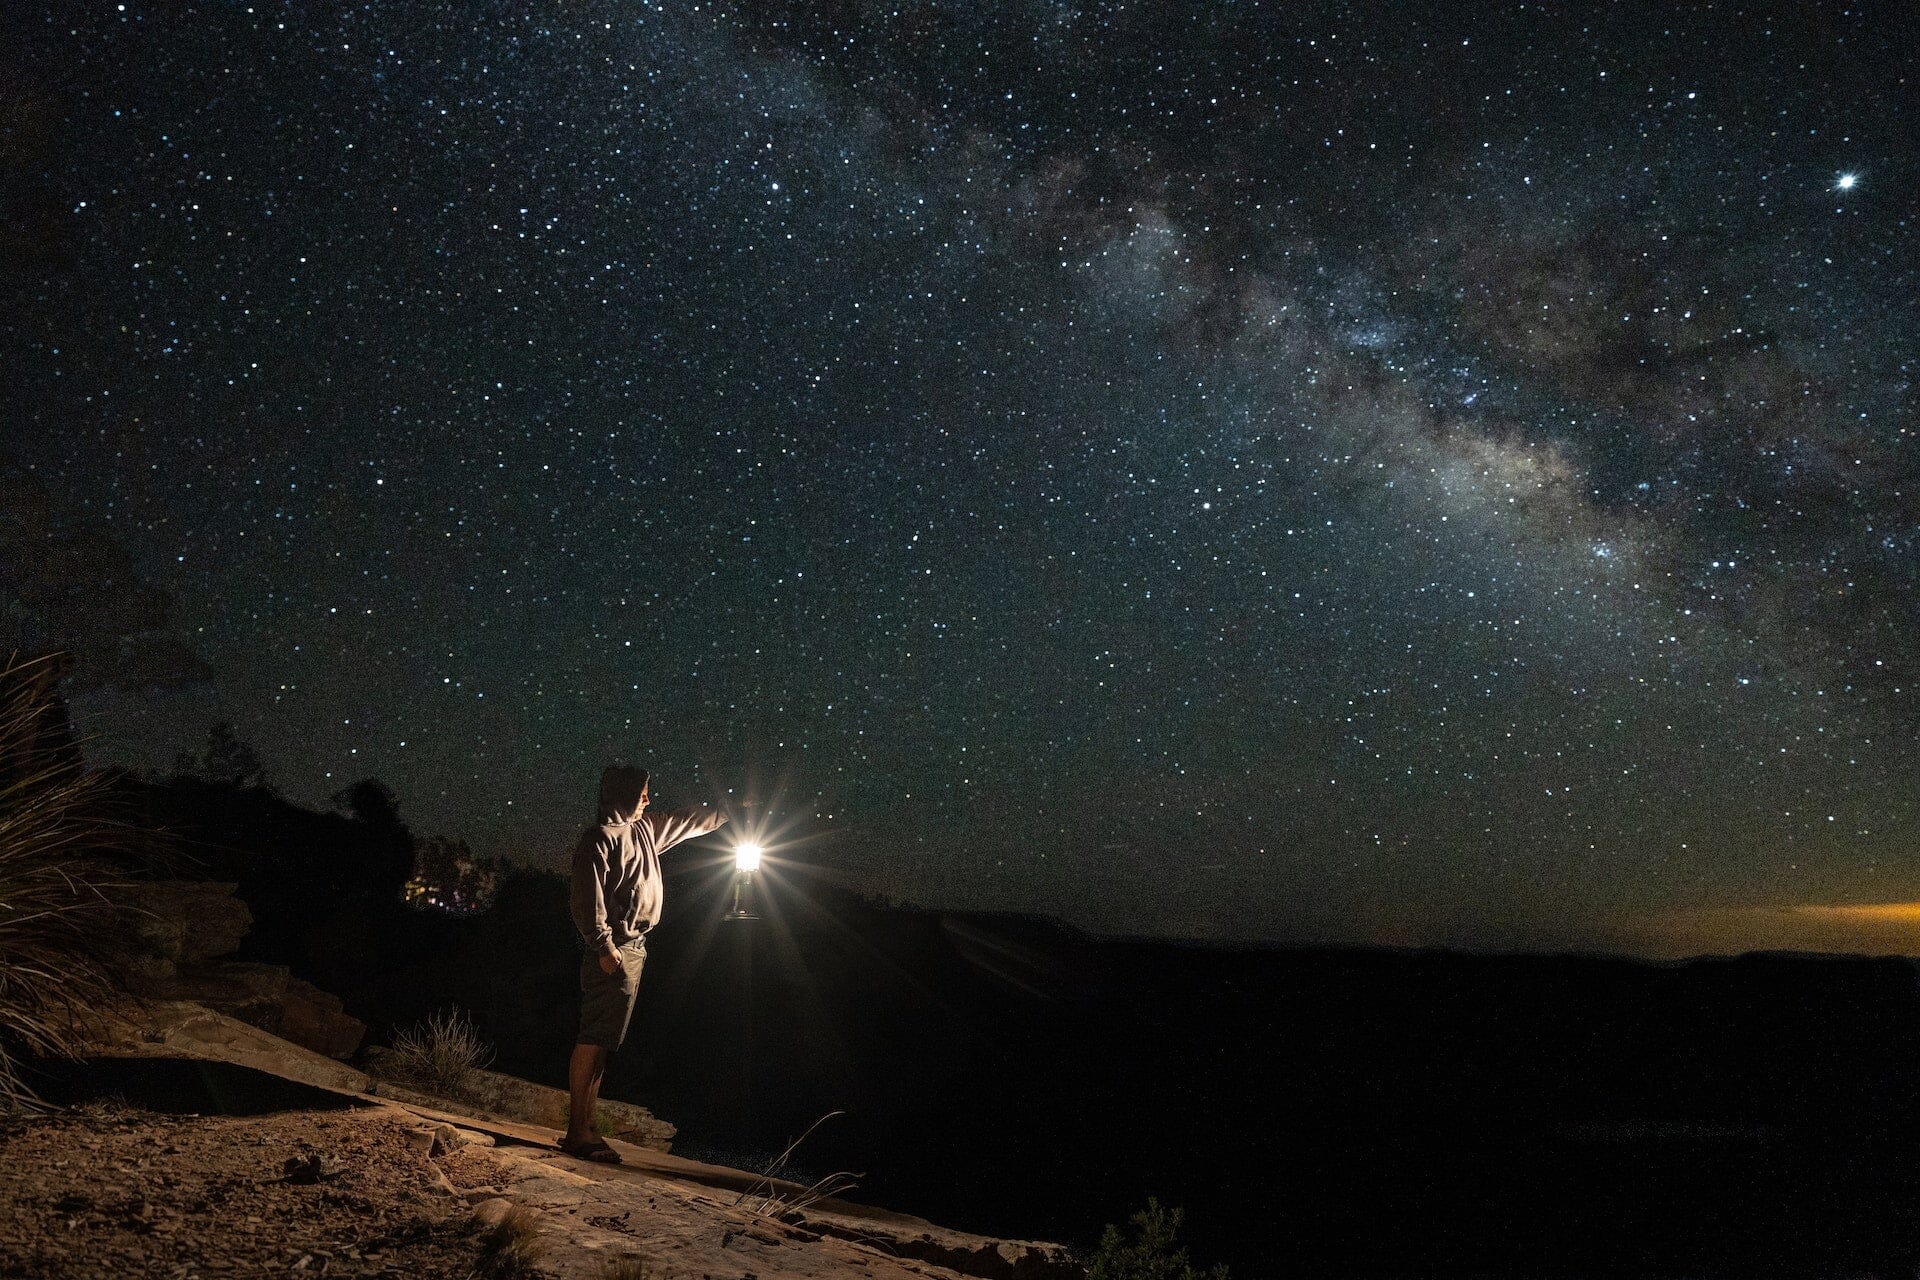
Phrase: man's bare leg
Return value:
(584, 1070)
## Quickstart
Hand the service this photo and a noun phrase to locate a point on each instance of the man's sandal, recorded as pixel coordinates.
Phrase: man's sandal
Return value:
(596, 1150)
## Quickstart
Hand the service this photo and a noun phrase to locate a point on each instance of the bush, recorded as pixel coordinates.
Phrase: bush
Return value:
(62, 844)
(1151, 1254)
(510, 1245)
(442, 1052)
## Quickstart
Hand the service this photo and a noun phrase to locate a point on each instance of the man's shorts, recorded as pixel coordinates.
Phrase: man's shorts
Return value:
(606, 1000)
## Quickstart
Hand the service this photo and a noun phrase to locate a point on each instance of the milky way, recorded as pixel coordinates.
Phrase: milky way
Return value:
(1325, 474)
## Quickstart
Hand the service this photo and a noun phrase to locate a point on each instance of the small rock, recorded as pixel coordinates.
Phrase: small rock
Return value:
(453, 1138)
(308, 1168)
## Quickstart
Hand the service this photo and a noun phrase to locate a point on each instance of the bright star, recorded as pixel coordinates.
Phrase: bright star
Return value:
(1846, 182)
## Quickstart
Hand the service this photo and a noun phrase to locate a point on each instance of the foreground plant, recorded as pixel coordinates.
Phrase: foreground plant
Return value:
(1148, 1252)
(442, 1052)
(510, 1245)
(63, 844)
(768, 1199)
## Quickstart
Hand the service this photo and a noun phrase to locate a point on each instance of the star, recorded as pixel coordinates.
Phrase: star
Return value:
(818, 472)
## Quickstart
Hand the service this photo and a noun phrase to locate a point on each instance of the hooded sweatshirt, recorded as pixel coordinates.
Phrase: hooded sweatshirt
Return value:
(616, 894)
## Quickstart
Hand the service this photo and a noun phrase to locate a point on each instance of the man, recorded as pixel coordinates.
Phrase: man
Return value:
(616, 898)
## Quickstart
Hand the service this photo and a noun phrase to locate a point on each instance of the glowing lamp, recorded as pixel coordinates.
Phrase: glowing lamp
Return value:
(746, 861)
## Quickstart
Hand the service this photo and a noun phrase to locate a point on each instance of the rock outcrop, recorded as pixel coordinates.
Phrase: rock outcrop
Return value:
(180, 1029)
(180, 925)
(492, 1093)
(679, 1217)
(177, 935)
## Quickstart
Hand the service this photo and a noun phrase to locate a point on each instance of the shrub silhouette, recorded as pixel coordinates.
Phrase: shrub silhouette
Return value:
(1151, 1254)
(225, 759)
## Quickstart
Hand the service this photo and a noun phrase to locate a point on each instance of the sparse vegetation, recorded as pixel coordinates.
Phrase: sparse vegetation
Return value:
(627, 1269)
(1148, 1251)
(441, 1053)
(766, 1198)
(61, 846)
(509, 1245)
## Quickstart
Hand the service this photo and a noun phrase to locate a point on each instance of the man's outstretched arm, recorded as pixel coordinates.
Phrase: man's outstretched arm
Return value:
(674, 825)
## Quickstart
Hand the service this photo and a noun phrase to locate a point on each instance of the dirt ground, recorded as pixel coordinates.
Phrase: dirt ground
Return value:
(292, 1180)
(111, 1191)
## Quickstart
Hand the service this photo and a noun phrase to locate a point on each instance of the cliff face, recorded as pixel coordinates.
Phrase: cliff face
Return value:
(179, 936)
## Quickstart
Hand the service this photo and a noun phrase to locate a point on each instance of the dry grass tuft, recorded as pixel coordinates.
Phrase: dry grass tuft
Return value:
(442, 1053)
(765, 1199)
(509, 1246)
(62, 843)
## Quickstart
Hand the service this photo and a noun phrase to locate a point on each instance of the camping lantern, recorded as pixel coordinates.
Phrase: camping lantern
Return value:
(746, 861)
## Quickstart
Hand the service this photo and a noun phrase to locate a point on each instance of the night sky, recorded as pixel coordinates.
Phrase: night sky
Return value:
(1357, 473)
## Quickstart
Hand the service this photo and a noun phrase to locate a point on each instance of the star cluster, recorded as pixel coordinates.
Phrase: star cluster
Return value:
(1273, 472)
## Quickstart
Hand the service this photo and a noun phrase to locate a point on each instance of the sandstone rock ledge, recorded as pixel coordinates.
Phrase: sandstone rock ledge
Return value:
(177, 936)
(684, 1219)
(504, 1097)
(177, 939)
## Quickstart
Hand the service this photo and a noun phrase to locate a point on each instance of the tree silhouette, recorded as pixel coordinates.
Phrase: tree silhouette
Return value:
(226, 759)
(449, 876)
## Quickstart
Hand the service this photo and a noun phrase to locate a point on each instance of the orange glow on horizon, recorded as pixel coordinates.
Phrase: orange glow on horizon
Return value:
(1879, 913)
(1874, 928)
